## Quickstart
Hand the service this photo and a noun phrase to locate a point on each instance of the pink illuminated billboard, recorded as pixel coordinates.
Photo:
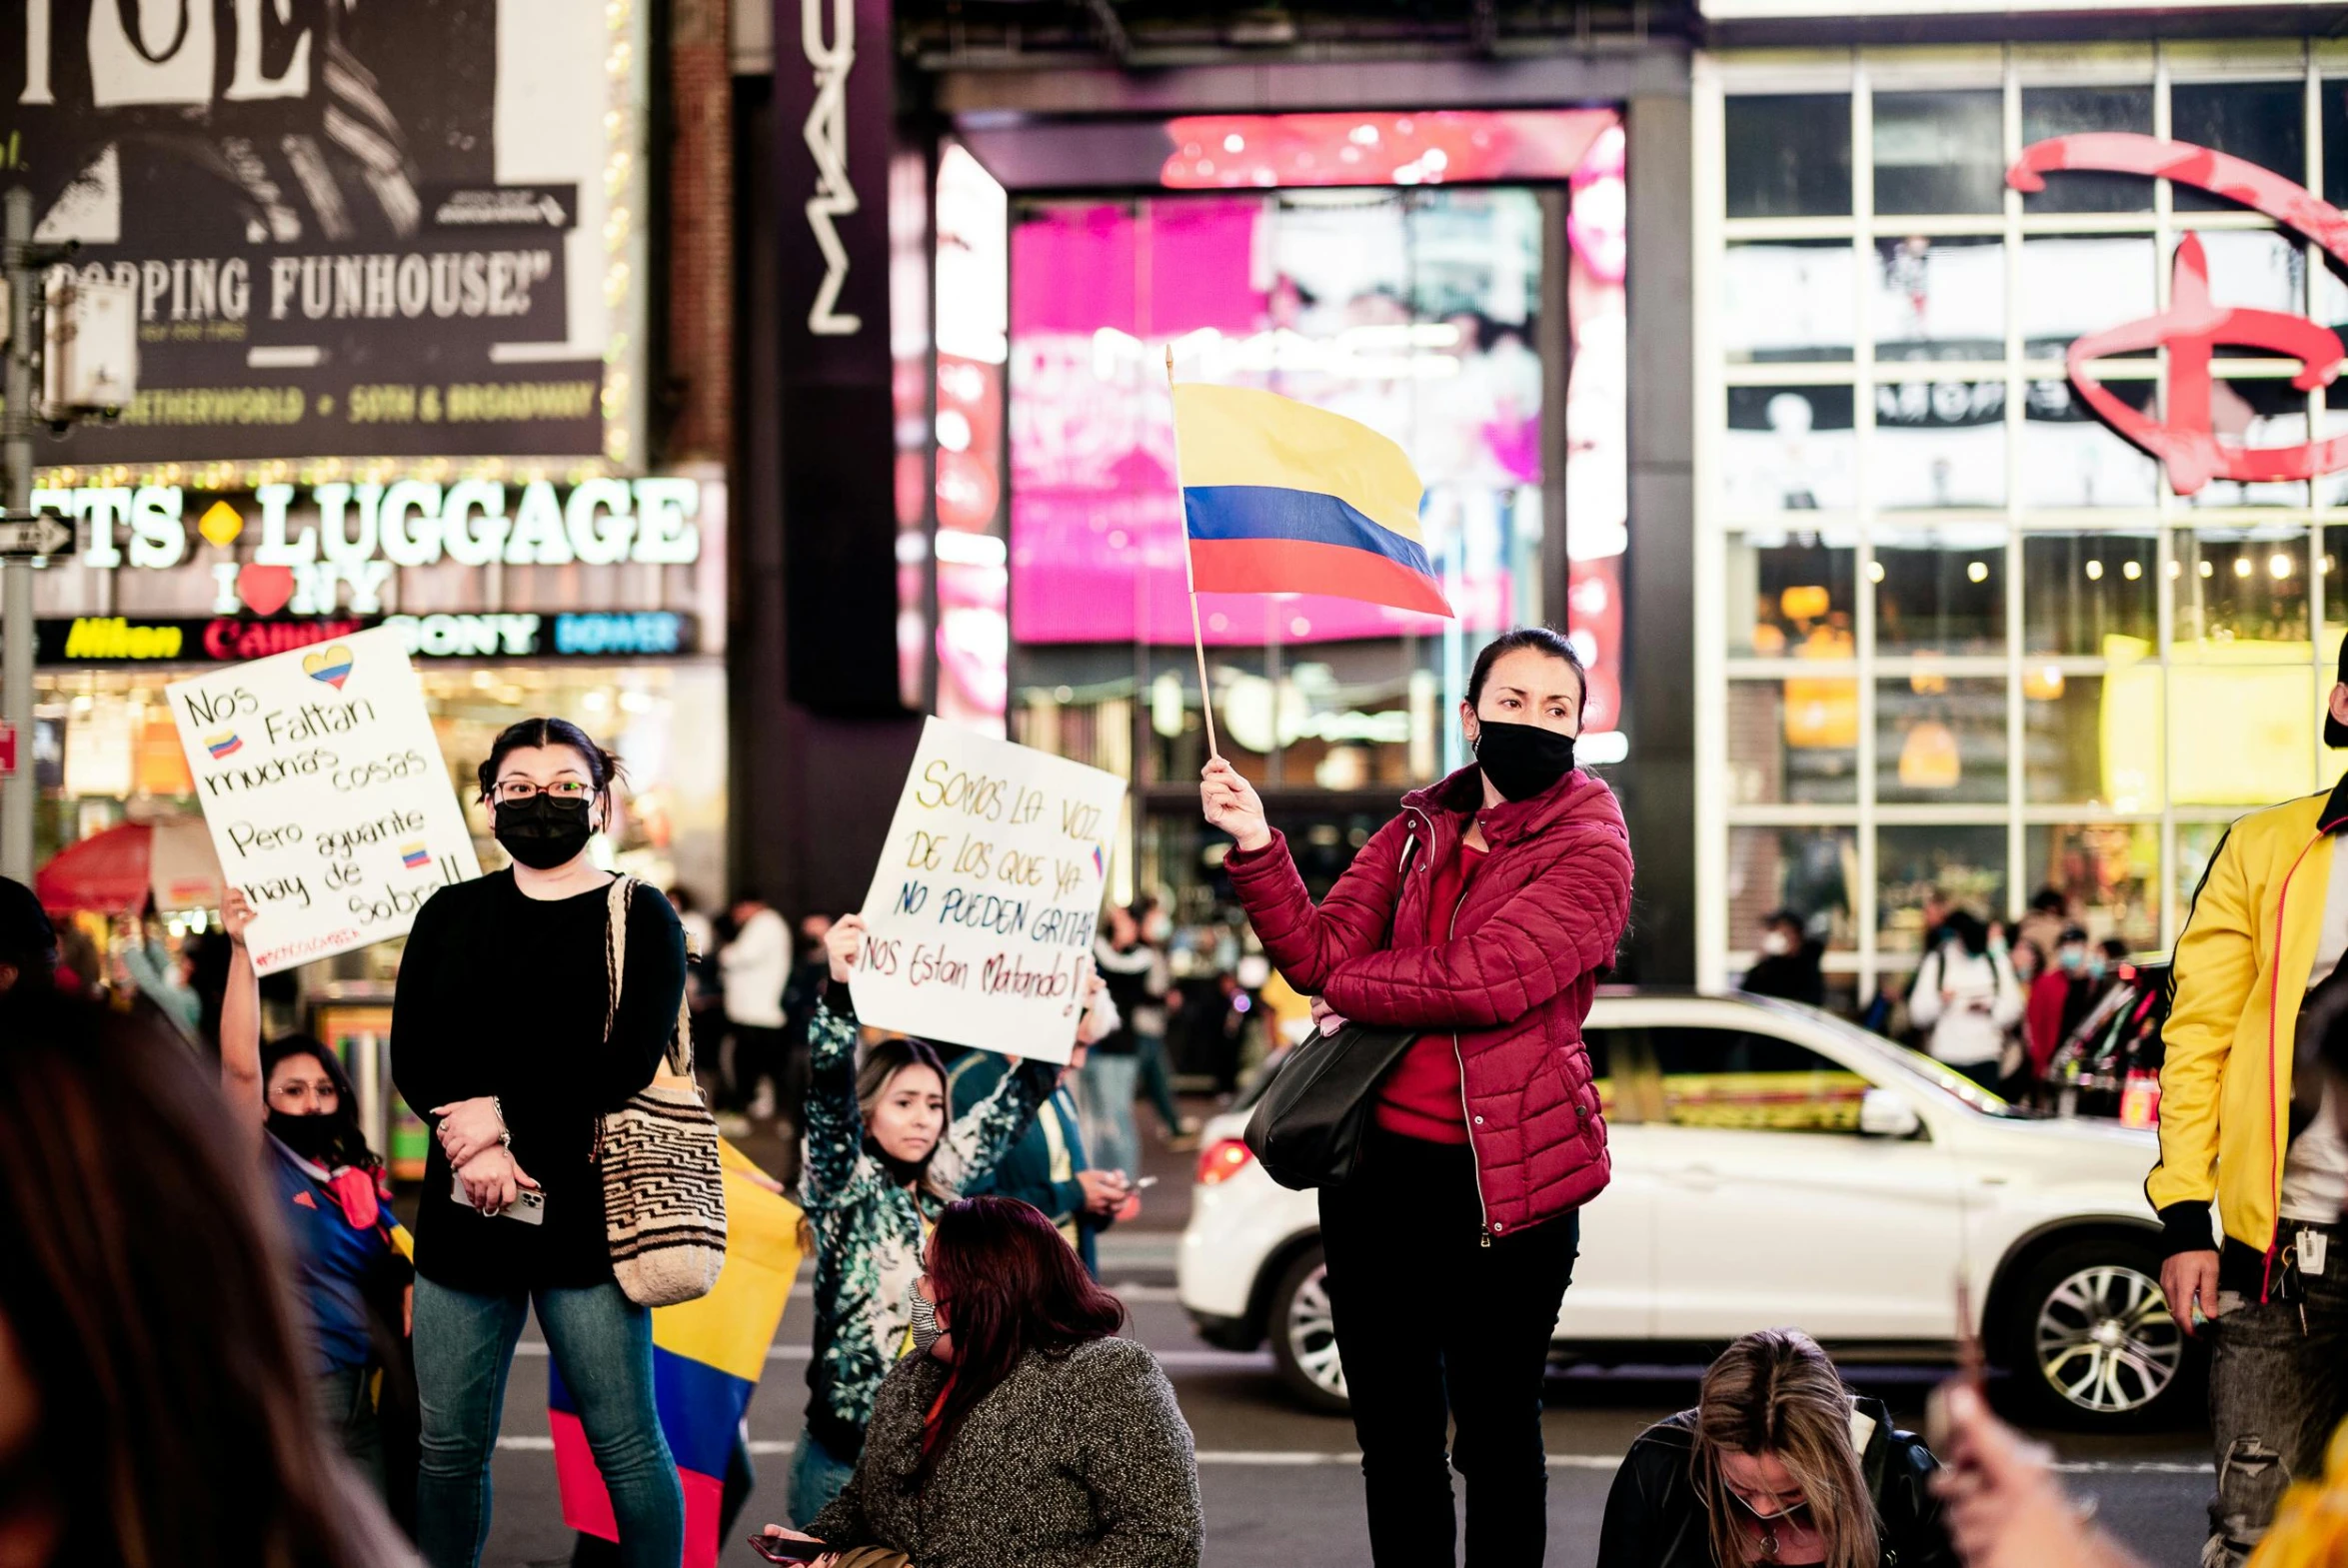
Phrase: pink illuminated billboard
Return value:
(1415, 311)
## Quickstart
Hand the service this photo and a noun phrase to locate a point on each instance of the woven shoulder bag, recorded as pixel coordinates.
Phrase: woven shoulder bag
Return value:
(664, 1191)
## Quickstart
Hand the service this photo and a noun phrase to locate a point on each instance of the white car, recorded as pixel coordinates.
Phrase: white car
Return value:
(1774, 1165)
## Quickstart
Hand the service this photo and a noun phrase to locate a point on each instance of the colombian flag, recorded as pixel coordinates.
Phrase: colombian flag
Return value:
(413, 857)
(1282, 497)
(225, 744)
(706, 1357)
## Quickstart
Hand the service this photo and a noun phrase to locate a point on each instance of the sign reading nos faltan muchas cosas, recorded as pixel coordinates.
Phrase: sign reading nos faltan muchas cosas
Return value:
(984, 905)
(326, 794)
(354, 229)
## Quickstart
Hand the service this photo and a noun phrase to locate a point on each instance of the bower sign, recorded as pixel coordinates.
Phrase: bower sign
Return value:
(325, 789)
(982, 910)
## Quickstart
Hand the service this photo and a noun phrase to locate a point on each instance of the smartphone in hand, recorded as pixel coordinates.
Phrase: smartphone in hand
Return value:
(783, 1549)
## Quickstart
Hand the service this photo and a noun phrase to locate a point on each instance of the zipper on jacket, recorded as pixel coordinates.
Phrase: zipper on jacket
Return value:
(1483, 1214)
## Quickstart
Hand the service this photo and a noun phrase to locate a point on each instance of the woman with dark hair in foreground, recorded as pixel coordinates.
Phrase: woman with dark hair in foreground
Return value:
(1020, 1431)
(153, 1408)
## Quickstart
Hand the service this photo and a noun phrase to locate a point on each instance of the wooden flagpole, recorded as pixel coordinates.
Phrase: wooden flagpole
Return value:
(1198, 636)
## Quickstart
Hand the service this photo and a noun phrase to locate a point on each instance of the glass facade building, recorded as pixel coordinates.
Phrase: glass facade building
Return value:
(1954, 635)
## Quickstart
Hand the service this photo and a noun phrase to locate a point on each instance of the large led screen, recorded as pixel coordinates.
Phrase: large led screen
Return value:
(1411, 313)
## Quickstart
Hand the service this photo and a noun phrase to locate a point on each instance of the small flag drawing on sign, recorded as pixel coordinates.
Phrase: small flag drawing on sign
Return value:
(413, 857)
(330, 665)
(1099, 863)
(225, 744)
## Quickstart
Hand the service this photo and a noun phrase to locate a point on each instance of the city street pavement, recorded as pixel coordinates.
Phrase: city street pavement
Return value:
(1283, 1487)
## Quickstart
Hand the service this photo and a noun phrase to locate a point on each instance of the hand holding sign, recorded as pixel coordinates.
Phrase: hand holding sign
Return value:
(978, 928)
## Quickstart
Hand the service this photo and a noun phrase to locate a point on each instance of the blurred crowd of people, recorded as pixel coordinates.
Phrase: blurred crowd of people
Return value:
(2036, 1010)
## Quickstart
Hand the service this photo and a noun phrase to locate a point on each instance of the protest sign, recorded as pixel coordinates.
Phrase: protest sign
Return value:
(982, 910)
(326, 794)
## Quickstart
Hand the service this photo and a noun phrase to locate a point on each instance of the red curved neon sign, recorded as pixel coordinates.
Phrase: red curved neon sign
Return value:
(2193, 325)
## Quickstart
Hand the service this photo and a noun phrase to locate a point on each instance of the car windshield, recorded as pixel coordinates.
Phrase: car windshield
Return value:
(1914, 1064)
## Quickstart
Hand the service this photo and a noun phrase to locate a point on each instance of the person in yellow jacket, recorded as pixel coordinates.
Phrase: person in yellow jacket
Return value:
(2268, 1289)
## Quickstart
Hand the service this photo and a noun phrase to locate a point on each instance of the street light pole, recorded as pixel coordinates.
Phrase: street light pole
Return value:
(18, 796)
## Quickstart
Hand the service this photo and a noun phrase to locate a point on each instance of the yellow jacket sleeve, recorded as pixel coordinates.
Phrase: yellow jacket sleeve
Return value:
(2215, 972)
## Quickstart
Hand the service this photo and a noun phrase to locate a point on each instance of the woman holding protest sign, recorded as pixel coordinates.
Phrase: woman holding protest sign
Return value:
(1020, 1431)
(1480, 917)
(330, 1190)
(884, 1155)
(517, 1059)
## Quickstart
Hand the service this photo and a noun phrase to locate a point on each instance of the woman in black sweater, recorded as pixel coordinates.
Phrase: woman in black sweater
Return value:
(498, 1035)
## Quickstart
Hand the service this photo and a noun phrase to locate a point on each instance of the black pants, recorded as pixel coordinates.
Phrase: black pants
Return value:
(1430, 1321)
(757, 1054)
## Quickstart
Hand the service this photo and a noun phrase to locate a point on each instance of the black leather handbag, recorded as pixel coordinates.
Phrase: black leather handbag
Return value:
(1307, 1130)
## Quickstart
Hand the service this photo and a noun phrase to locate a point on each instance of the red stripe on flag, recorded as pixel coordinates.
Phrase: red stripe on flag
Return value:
(587, 1506)
(1295, 566)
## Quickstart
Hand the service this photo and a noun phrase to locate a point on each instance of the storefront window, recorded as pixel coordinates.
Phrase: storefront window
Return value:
(1975, 456)
(1810, 870)
(2240, 591)
(1787, 300)
(1788, 155)
(1938, 444)
(2108, 871)
(2092, 740)
(2196, 844)
(1790, 596)
(2241, 731)
(1965, 865)
(2076, 283)
(1793, 742)
(1789, 449)
(1940, 300)
(2070, 458)
(1941, 591)
(1939, 152)
(2264, 123)
(1939, 740)
(2066, 111)
(2081, 590)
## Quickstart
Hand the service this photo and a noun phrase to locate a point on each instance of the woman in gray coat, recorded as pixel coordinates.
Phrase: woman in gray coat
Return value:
(1019, 1433)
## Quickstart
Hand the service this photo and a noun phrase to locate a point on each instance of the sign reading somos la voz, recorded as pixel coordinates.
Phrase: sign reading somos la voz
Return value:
(983, 909)
(326, 794)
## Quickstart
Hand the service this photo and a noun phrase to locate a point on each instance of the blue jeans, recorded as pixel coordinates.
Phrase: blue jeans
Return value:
(817, 1476)
(602, 1341)
(1105, 1094)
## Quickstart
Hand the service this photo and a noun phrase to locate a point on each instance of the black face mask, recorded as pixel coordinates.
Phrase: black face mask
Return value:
(543, 833)
(312, 1137)
(1522, 761)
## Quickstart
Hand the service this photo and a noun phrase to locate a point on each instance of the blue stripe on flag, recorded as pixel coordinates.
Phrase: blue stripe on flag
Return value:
(1243, 512)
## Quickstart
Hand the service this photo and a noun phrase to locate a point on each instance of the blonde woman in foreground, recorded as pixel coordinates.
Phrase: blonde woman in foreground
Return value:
(1778, 1463)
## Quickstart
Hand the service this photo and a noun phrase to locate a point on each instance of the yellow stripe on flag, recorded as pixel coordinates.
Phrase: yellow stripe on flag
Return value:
(1239, 436)
(732, 1326)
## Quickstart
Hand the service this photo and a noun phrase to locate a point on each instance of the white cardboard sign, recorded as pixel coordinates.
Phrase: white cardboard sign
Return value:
(326, 794)
(983, 909)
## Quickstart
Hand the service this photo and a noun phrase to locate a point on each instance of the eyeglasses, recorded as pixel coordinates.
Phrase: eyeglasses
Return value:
(512, 792)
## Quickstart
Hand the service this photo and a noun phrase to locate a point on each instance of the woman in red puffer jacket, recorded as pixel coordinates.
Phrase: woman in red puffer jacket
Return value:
(1482, 917)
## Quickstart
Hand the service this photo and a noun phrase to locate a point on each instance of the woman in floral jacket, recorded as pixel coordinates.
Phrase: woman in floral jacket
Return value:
(884, 1155)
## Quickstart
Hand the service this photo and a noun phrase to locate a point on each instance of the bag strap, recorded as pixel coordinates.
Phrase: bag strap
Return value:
(620, 900)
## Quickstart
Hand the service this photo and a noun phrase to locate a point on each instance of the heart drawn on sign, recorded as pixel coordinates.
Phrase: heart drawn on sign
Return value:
(221, 524)
(265, 589)
(330, 665)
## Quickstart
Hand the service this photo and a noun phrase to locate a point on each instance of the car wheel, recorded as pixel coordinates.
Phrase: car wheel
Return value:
(1304, 1335)
(2090, 1341)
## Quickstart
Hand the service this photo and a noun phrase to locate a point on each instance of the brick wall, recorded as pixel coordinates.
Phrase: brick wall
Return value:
(700, 371)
